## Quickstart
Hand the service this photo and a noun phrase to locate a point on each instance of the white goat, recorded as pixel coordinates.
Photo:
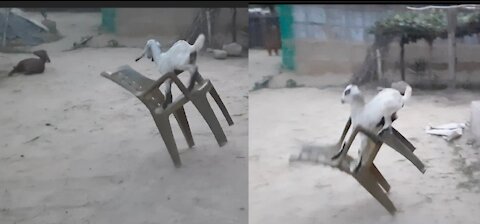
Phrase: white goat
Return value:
(378, 114)
(180, 57)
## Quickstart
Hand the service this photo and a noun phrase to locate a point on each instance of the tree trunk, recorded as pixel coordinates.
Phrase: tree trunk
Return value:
(5, 27)
(368, 70)
(209, 28)
(429, 70)
(402, 59)
(452, 23)
(234, 25)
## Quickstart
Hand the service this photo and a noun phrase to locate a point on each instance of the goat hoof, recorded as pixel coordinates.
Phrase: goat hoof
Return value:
(390, 130)
(168, 101)
(381, 131)
(355, 167)
(165, 105)
(334, 157)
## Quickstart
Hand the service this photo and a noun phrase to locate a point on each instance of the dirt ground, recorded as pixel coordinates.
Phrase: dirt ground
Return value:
(281, 120)
(78, 148)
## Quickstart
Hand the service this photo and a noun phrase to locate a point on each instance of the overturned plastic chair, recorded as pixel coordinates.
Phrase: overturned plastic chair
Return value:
(147, 91)
(368, 174)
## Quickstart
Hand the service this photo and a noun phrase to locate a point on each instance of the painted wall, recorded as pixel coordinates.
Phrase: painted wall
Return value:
(168, 24)
(334, 39)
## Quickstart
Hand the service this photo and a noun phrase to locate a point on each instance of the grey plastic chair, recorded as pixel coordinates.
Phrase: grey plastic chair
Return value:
(146, 90)
(368, 174)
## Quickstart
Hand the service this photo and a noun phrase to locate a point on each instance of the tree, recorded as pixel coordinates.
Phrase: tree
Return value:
(409, 27)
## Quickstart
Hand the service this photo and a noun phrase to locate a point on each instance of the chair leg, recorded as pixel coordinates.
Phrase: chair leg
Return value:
(201, 103)
(369, 183)
(221, 105)
(165, 129)
(403, 140)
(400, 147)
(381, 180)
(184, 126)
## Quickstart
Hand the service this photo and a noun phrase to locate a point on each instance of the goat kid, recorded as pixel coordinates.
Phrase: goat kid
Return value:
(179, 58)
(32, 66)
(377, 115)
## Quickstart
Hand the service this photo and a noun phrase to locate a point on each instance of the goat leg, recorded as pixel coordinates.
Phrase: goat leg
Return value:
(342, 138)
(193, 80)
(348, 144)
(168, 94)
(363, 147)
(357, 167)
(141, 56)
(387, 125)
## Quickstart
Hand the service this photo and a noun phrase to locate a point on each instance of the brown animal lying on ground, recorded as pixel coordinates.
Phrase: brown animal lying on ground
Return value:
(32, 66)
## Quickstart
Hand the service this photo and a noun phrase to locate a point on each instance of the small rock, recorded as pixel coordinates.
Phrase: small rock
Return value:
(219, 54)
(233, 49)
(113, 43)
(471, 141)
(21, 156)
(292, 84)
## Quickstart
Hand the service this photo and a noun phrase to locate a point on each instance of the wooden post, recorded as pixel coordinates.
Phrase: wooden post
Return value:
(234, 25)
(452, 24)
(379, 67)
(5, 27)
(402, 59)
(209, 28)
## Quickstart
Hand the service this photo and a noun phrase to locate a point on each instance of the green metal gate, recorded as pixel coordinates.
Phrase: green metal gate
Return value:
(287, 36)
(109, 20)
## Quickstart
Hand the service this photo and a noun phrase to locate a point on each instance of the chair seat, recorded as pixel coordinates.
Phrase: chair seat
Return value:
(146, 90)
(368, 174)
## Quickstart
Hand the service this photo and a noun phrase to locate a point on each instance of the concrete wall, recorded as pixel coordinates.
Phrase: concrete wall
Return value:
(154, 21)
(467, 68)
(168, 24)
(325, 46)
(334, 38)
(339, 57)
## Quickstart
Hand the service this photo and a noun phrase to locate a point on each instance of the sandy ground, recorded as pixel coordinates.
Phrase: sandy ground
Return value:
(281, 120)
(95, 155)
(261, 65)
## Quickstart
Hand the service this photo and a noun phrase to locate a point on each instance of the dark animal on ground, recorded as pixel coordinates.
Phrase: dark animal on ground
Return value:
(32, 66)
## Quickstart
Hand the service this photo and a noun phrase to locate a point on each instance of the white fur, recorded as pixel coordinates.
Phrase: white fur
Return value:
(387, 102)
(175, 58)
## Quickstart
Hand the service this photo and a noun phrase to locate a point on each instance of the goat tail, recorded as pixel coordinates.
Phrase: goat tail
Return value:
(198, 45)
(407, 94)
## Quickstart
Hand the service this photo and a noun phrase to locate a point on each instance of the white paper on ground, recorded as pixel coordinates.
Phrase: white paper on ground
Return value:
(448, 131)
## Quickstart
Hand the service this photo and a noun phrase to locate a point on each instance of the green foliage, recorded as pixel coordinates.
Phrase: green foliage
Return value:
(412, 26)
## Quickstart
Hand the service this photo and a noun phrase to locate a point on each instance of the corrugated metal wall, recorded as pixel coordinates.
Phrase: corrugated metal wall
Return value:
(342, 23)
